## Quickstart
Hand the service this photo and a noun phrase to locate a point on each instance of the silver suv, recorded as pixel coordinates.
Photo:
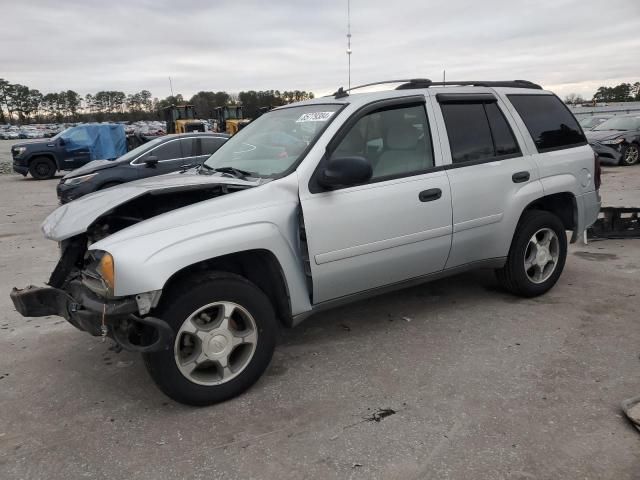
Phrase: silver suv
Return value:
(313, 205)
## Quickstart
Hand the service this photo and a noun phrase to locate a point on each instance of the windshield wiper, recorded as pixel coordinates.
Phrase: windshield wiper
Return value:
(236, 172)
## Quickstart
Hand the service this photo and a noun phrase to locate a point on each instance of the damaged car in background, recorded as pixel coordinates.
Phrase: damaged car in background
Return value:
(313, 205)
(617, 140)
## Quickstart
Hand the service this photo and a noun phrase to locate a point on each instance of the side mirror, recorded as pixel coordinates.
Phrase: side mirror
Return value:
(61, 142)
(345, 171)
(151, 161)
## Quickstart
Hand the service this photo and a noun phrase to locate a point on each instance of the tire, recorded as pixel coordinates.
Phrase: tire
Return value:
(536, 280)
(42, 168)
(630, 155)
(109, 185)
(205, 385)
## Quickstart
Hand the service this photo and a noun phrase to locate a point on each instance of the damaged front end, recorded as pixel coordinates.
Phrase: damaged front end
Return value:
(78, 293)
(81, 287)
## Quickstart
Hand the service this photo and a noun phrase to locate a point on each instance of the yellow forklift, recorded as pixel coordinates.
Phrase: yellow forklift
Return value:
(180, 119)
(229, 119)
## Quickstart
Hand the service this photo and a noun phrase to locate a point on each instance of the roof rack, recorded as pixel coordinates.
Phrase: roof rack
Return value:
(426, 83)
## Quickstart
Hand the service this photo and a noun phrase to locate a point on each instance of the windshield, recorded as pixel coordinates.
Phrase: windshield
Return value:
(620, 123)
(589, 122)
(63, 132)
(273, 143)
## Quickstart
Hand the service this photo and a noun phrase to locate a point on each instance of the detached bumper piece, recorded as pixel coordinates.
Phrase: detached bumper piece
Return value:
(616, 222)
(84, 310)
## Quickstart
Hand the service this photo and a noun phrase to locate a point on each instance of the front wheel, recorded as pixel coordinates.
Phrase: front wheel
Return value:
(630, 155)
(225, 334)
(537, 255)
(42, 168)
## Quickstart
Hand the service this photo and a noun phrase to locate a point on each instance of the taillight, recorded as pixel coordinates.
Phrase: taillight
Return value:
(597, 172)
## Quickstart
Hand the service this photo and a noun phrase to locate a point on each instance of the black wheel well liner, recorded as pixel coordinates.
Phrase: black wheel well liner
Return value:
(260, 267)
(562, 204)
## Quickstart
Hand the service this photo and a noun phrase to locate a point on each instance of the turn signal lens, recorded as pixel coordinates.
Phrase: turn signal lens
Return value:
(106, 270)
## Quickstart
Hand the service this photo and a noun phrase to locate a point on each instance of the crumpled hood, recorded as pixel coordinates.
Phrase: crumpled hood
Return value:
(75, 217)
(598, 135)
(91, 167)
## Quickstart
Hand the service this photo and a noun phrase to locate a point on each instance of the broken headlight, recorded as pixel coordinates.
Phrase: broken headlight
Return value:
(99, 276)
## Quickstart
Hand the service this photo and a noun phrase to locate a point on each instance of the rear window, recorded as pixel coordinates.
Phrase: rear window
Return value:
(549, 121)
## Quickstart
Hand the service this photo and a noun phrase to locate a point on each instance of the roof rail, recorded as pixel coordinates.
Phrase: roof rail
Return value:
(478, 83)
(426, 83)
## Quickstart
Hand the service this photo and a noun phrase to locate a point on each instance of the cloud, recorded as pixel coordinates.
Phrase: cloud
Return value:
(566, 45)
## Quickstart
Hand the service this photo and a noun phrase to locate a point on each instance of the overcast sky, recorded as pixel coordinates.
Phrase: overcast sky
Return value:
(569, 46)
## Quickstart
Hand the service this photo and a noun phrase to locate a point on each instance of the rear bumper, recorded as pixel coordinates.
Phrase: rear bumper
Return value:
(86, 311)
(590, 204)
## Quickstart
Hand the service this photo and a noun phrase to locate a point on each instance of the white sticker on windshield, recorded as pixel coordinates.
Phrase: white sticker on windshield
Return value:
(314, 117)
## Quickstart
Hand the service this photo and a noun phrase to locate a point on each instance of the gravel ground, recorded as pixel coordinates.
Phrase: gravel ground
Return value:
(454, 379)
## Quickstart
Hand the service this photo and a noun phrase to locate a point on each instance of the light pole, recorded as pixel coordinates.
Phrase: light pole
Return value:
(349, 41)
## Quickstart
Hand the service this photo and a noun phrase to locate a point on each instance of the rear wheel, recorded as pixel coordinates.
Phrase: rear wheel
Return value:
(630, 155)
(42, 168)
(537, 255)
(225, 335)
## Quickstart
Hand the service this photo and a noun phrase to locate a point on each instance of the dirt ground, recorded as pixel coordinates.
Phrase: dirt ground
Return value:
(482, 385)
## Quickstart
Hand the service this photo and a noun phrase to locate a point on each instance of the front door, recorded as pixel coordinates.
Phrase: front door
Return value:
(395, 227)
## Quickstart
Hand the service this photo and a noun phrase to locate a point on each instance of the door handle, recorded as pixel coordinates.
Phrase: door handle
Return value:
(430, 195)
(520, 177)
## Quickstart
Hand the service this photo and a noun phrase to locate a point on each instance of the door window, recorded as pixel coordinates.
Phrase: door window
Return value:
(477, 132)
(210, 144)
(396, 141)
(549, 121)
(167, 151)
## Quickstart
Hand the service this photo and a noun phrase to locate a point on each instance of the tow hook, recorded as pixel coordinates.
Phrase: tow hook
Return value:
(135, 333)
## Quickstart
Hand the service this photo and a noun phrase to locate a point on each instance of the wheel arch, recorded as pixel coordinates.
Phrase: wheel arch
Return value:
(562, 204)
(259, 266)
(48, 155)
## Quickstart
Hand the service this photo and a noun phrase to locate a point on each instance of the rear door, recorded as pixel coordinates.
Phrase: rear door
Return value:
(491, 175)
(395, 227)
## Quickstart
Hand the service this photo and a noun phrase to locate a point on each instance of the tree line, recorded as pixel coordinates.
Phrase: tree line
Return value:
(624, 92)
(19, 103)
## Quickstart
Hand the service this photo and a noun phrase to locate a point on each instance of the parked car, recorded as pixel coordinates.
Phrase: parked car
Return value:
(69, 149)
(313, 205)
(617, 140)
(591, 121)
(161, 155)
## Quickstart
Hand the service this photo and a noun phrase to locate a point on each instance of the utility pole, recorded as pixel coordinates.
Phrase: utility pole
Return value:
(349, 41)
(171, 86)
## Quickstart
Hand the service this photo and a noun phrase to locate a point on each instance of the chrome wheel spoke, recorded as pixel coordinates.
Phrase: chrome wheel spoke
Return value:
(216, 343)
(541, 255)
(250, 337)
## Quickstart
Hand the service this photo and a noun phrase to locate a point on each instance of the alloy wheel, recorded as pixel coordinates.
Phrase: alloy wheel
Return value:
(215, 343)
(541, 255)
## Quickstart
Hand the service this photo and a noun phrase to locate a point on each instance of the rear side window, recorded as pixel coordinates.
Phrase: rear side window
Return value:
(477, 132)
(549, 121)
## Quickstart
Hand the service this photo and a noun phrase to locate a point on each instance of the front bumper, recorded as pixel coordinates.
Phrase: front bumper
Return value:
(86, 311)
(66, 193)
(20, 166)
(608, 153)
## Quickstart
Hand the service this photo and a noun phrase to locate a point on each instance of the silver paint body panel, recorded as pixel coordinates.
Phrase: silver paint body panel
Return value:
(361, 239)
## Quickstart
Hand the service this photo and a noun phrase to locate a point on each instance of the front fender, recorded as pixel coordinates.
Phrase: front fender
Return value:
(140, 267)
